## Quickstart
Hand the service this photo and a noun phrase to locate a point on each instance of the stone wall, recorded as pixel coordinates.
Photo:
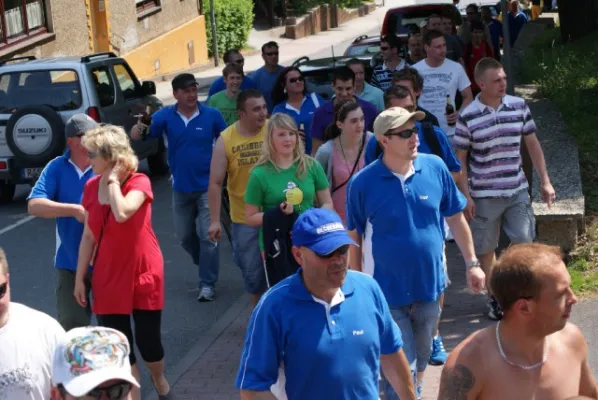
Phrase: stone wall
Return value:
(321, 18)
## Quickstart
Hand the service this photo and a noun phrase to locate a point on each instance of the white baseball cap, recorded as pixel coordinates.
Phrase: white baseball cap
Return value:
(87, 357)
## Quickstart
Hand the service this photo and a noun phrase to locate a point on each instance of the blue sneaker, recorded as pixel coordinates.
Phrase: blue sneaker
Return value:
(439, 355)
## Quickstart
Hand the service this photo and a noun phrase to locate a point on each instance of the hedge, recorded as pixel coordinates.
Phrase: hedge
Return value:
(234, 19)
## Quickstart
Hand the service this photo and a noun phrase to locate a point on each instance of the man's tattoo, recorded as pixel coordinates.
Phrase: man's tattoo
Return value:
(456, 383)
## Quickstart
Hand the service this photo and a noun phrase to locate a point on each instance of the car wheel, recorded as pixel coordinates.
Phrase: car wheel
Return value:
(158, 163)
(7, 192)
(35, 134)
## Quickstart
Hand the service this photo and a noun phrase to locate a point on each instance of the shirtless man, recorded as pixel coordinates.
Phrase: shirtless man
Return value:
(533, 353)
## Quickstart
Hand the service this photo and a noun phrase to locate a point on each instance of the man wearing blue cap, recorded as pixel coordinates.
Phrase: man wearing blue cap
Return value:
(329, 328)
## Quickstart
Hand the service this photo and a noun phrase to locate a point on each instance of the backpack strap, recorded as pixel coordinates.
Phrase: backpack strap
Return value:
(431, 138)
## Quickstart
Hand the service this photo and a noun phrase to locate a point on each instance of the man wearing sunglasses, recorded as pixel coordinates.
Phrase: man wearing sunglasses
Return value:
(266, 76)
(329, 328)
(394, 209)
(92, 363)
(232, 56)
(57, 194)
(27, 342)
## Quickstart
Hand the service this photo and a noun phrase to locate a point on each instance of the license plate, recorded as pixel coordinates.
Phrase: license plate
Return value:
(32, 173)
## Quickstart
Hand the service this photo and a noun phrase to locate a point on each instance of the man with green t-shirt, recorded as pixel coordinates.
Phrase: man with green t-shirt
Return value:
(226, 100)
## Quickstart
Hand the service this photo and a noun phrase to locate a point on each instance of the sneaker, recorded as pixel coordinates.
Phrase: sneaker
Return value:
(494, 311)
(206, 293)
(438, 356)
(419, 389)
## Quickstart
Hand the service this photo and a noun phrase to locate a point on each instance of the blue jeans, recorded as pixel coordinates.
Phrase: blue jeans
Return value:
(247, 256)
(417, 323)
(192, 220)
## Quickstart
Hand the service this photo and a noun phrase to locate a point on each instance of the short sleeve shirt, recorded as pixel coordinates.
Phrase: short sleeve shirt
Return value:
(268, 187)
(331, 354)
(129, 267)
(440, 82)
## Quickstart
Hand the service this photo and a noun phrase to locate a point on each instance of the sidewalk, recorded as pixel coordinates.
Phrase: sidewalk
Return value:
(291, 50)
(212, 375)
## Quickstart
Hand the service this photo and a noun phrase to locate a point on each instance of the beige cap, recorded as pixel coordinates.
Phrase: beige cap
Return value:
(394, 117)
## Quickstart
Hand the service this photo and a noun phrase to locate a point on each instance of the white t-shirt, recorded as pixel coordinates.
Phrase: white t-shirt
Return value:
(27, 344)
(448, 78)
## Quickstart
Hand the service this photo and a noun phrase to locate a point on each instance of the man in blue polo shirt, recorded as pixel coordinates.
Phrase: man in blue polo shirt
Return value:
(395, 207)
(57, 194)
(343, 84)
(191, 130)
(232, 56)
(329, 328)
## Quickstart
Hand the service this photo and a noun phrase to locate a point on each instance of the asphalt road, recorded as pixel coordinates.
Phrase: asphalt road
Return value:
(30, 245)
(30, 248)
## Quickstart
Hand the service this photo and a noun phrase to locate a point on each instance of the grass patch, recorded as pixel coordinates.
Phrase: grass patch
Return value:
(566, 74)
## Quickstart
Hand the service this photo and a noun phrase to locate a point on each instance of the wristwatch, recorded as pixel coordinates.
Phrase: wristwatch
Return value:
(472, 264)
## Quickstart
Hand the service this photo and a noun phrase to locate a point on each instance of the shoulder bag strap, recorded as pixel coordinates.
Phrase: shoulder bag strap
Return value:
(354, 165)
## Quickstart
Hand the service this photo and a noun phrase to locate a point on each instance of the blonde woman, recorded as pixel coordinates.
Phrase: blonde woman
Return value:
(118, 240)
(284, 180)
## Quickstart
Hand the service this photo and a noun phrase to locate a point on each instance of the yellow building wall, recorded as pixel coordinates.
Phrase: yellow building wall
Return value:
(181, 48)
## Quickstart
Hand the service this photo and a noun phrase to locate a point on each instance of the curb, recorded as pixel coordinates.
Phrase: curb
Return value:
(202, 345)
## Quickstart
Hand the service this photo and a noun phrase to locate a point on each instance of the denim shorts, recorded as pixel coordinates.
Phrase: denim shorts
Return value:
(247, 256)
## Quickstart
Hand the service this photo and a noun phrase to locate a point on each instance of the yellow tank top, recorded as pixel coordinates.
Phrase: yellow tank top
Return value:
(242, 153)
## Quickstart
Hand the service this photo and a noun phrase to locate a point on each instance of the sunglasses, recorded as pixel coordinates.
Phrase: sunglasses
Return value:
(271, 53)
(406, 134)
(3, 289)
(240, 61)
(117, 391)
(297, 79)
(341, 251)
(384, 48)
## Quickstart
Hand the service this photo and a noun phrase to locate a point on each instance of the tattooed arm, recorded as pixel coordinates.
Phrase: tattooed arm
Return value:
(461, 376)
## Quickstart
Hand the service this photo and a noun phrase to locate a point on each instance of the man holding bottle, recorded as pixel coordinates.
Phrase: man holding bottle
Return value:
(442, 79)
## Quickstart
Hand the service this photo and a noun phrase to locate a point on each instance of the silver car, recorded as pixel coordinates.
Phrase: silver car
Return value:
(37, 97)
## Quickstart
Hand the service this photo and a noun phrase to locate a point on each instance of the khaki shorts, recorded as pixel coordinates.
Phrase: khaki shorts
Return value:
(514, 213)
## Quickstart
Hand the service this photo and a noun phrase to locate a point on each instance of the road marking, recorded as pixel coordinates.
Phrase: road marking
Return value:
(16, 224)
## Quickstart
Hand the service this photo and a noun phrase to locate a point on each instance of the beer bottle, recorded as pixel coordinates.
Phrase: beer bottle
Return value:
(449, 108)
(302, 132)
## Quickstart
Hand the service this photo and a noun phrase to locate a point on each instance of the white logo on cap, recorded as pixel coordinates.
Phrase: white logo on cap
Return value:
(334, 226)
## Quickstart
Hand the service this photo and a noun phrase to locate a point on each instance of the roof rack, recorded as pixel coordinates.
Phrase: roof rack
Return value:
(27, 58)
(88, 58)
(360, 38)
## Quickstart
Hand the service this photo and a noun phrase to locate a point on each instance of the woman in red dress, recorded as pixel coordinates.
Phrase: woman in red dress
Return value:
(120, 244)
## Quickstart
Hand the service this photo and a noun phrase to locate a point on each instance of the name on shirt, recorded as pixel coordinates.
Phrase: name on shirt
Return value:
(249, 153)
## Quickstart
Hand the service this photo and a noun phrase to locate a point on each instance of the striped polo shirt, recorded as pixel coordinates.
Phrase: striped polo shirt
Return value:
(493, 138)
(382, 75)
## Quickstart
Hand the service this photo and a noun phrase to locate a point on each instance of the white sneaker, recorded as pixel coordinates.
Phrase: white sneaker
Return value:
(206, 294)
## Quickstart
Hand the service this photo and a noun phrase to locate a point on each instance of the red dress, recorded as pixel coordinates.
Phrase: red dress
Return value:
(128, 272)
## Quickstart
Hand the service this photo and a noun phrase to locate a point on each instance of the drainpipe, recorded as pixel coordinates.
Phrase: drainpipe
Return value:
(214, 39)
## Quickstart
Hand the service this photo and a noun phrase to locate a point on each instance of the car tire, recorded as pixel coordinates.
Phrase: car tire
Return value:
(158, 163)
(7, 192)
(35, 134)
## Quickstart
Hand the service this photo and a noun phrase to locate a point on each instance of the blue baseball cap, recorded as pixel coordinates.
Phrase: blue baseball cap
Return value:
(320, 230)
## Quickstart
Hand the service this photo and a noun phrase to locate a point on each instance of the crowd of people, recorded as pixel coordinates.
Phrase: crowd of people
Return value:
(340, 213)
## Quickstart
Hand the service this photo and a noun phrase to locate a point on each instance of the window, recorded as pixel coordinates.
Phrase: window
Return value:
(104, 86)
(128, 86)
(20, 20)
(146, 5)
(58, 89)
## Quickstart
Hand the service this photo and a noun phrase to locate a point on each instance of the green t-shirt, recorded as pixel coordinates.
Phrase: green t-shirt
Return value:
(226, 106)
(267, 187)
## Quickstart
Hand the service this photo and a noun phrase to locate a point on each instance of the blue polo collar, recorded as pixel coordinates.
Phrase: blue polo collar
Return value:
(298, 290)
(385, 172)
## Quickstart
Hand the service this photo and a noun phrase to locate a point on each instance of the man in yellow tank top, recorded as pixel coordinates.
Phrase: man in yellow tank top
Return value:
(236, 151)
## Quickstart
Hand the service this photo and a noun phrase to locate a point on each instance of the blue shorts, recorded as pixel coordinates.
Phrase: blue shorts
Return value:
(247, 256)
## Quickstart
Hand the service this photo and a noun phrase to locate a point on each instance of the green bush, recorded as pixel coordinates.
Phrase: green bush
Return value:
(234, 19)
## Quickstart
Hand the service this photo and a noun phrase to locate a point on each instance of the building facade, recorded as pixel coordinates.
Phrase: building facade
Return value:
(155, 36)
